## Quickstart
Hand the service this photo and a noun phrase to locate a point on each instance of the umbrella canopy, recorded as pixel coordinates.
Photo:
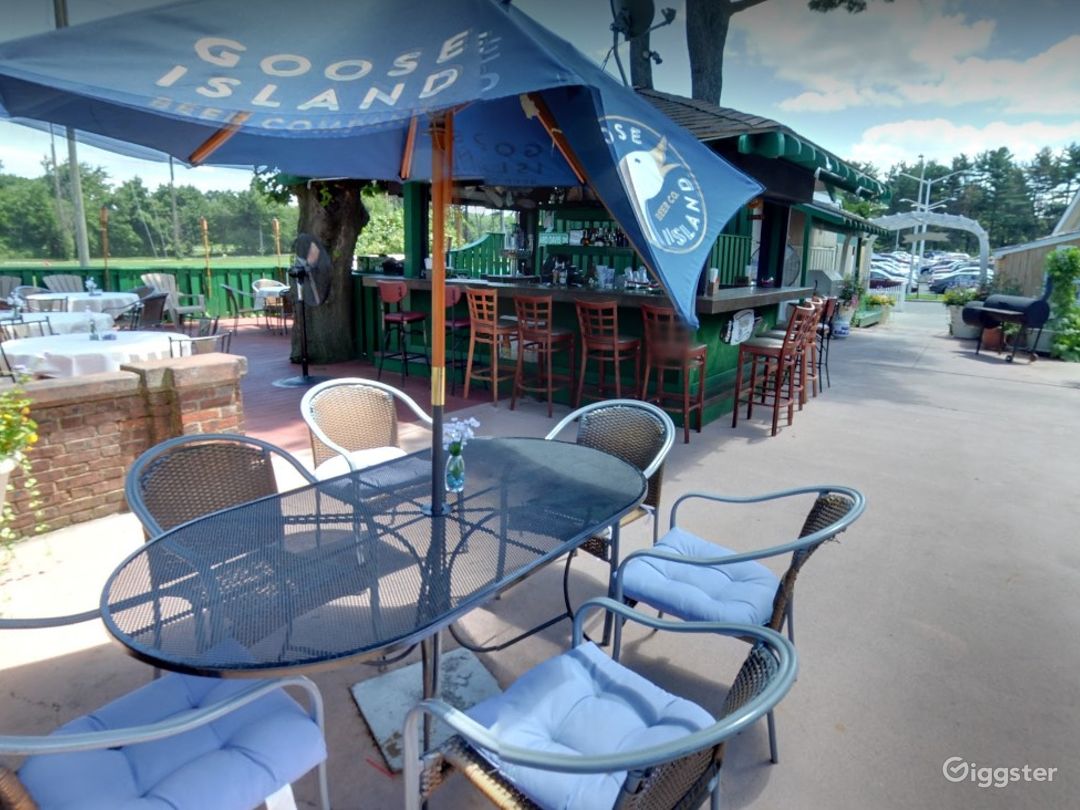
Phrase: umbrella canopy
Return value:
(387, 89)
(329, 89)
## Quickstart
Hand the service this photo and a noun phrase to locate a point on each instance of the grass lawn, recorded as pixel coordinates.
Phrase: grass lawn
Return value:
(926, 296)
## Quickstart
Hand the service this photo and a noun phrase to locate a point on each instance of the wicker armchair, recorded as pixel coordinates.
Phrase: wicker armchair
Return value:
(64, 282)
(639, 433)
(696, 580)
(245, 740)
(512, 746)
(353, 424)
(190, 476)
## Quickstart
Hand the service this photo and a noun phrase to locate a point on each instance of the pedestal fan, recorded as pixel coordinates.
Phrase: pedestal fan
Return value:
(311, 270)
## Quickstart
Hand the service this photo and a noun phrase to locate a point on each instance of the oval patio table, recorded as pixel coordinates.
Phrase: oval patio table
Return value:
(62, 323)
(355, 567)
(112, 302)
(75, 355)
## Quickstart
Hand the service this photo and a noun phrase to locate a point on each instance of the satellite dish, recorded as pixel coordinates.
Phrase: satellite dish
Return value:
(633, 17)
(312, 271)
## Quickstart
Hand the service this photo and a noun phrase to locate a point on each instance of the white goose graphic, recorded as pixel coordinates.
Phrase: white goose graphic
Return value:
(643, 174)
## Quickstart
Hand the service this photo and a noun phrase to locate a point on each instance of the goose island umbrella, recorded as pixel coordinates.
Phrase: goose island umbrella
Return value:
(386, 89)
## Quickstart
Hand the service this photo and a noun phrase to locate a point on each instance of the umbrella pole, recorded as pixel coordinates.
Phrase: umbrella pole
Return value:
(442, 140)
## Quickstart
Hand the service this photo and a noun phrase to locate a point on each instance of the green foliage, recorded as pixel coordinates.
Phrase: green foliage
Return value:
(385, 231)
(879, 300)
(850, 290)
(1063, 270)
(958, 296)
(18, 435)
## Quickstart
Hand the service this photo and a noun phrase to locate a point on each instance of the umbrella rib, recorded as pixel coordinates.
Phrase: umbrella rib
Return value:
(215, 141)
(410, 145)
(543, 112)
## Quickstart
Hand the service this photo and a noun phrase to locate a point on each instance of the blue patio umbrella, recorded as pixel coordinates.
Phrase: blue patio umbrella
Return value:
(386, 89)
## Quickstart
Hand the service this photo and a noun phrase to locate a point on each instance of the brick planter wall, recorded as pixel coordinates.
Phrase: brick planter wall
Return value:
(92, 428)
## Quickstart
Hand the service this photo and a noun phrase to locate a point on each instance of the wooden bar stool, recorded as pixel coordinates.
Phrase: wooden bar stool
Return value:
(536, 333)
(670, 346)
(457, 327)
(400, 323)
(779, 363)
(600, 340)
(485, 329)
(809, 355)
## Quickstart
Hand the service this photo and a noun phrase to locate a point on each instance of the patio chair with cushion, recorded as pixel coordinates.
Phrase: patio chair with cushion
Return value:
(697, 580)
(166, 283)
(639, 433)
(190, 476)
(180, 741)
(64, 282)
(353, 424)
(581, 730)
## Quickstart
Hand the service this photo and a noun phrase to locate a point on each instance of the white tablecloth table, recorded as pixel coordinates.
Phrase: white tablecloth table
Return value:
(75, 355)
(64, 323)
(112, 302)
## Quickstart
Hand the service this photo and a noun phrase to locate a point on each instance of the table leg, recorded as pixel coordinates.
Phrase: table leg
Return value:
(430, 650)
(614, 564)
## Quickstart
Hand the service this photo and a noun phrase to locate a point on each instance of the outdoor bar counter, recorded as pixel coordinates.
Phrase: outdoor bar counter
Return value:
(714, 313)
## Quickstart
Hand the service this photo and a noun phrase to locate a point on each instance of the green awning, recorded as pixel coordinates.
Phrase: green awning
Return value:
(843, 221)
(830, 169)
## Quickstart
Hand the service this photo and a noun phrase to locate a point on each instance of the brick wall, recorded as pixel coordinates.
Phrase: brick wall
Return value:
(91, 428)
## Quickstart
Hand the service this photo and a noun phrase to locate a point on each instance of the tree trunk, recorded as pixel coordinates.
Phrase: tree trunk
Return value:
(707, 24)
(640, 63)
(334, 213)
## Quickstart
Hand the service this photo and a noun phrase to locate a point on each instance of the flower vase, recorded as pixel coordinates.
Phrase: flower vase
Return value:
(455, 472)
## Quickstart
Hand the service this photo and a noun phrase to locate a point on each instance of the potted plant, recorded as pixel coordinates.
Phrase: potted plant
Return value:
(882, 302)
(955, 298)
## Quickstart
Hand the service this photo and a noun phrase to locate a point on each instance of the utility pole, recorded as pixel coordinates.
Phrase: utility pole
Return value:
(175, 214)
(82, 241)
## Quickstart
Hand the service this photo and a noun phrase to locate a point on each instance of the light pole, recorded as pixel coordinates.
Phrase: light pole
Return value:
(923, 206)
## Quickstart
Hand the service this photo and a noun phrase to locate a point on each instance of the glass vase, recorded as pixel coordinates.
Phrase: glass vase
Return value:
(455, 473)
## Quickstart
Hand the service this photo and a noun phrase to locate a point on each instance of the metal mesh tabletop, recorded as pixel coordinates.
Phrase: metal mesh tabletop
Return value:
(353, 566)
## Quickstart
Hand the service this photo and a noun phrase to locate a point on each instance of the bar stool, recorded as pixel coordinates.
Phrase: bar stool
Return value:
(779, 361)
(485, 329)
(535, 333)
(670, 346)
(824, 338)
(399, 321)
(600, 340)
(457, 328)
(809, 356)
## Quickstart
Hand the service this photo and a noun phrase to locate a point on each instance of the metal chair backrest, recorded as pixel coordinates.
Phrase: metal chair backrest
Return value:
(46, 304)
(638, 432)
(354, 414)
(206, 344)
(142, 291)
(191, 476)
(22, 291)
(392, 292)
(206, 327)
(153, 310)
(598, 321)
(64, 282)
(13, 330)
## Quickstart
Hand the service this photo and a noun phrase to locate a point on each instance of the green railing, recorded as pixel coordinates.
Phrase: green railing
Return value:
(481, 257)
(730, 255)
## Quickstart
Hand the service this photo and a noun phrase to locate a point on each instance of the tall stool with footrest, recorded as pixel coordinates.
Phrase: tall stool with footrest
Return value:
(536, 333)
(485, 329)
(399, 323)
(670, 346)
(601, 341)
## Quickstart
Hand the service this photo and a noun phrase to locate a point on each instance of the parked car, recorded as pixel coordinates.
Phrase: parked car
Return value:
(968, 277)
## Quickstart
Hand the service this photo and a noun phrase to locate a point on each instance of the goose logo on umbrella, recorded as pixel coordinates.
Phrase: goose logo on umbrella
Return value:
(663, 191)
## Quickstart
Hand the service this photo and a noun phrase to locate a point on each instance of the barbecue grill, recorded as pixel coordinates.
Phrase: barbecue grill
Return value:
(1030, 313)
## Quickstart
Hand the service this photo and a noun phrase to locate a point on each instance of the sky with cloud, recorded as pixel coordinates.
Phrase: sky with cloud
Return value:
(931, 77)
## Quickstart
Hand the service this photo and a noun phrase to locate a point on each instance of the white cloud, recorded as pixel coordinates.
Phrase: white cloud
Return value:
(901, 53)
(938, 139)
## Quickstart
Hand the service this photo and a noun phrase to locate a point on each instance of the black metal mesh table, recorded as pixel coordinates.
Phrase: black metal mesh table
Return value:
(354, 567)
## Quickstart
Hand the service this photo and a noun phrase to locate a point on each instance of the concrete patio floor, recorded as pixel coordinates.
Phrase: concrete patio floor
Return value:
(942, 625)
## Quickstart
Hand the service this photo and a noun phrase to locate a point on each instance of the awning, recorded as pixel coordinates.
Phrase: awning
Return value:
(843, 221)
(828, 168)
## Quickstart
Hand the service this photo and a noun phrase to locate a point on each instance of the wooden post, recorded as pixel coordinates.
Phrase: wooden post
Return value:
(103, 216)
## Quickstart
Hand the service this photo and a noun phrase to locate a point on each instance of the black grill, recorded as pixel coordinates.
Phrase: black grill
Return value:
(1030, 313)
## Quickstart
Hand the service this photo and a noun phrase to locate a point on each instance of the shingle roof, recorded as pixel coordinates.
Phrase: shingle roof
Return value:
(707, 121)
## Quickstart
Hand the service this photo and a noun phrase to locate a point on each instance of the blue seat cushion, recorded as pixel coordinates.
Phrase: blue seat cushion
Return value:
(584, 703)
(741, 592)
(232, 763)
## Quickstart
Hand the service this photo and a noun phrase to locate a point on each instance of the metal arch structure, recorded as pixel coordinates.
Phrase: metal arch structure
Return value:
(913, 219)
